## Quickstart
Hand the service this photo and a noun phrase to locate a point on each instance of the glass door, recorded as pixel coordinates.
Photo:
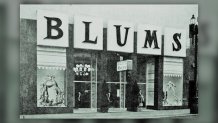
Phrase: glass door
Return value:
(116, 82)
(85, 78)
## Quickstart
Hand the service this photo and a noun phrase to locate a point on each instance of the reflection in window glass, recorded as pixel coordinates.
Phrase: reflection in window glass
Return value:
(82, 95)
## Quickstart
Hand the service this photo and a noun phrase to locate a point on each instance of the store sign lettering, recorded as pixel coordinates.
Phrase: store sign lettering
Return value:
(175, 37)
(88, 33)
(120, 36)
(55, 27)
(52, 30)
(121, 67)
(124, 65)
(149, 39)
(175, 42)
(87, 40)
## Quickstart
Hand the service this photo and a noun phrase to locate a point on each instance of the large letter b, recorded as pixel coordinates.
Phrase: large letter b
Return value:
(55, 27)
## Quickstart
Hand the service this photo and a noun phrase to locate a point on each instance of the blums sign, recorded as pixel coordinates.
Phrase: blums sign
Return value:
(52, 30)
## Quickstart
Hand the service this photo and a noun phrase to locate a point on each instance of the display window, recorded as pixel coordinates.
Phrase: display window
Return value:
(173, 82)
(51, 88)
(51, 77)
(172, 89)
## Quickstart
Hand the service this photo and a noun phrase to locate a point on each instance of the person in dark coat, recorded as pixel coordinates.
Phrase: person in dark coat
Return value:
(135, 93)
(104, 98)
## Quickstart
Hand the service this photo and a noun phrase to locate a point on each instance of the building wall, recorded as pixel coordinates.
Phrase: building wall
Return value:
(28, 72)
(28, 67)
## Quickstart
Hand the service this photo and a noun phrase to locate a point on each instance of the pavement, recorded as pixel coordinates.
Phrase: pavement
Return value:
(145, 114)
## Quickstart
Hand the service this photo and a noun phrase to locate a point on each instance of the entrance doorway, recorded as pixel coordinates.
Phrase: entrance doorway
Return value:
(116, 82)
(117, 96)
(85, 82)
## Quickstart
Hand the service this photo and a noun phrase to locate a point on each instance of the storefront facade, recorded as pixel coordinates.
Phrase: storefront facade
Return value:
(67, 77)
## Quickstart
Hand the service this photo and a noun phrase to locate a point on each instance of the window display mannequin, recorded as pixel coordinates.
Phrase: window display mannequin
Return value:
(170, 90)
(141, 99)
(50, 91)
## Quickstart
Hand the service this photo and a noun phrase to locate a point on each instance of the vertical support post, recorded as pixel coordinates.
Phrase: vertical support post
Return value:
(69, 71)
(124, 90)
(196, 63)
(120, 76)
(158, 83)
(96, 84)
(92, 71)
(93, 81)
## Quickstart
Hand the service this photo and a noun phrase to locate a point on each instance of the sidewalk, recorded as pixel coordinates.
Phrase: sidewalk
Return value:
(182, 113)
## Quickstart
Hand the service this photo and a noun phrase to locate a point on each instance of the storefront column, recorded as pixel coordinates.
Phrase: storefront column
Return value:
(101, 68)
(134, 71)
(158, 83)
(28, 67)
(158, 80)
(133, 57)
(69, 70)
(188, 75)
(28, 72)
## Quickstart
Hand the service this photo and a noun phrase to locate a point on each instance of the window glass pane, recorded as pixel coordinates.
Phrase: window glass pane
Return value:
(150, 83)
(82, 95)
(85, 79)
(82, 68)
(173, 81)
(172, 88)
(51, 88)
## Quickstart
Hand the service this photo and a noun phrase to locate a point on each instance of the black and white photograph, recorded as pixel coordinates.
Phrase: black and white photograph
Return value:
(99, 61)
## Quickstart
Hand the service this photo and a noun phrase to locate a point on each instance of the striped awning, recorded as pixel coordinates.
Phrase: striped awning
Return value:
(173, 67)
(51, 58)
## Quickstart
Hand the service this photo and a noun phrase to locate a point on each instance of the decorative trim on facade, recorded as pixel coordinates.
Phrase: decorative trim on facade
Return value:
(51, 67)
